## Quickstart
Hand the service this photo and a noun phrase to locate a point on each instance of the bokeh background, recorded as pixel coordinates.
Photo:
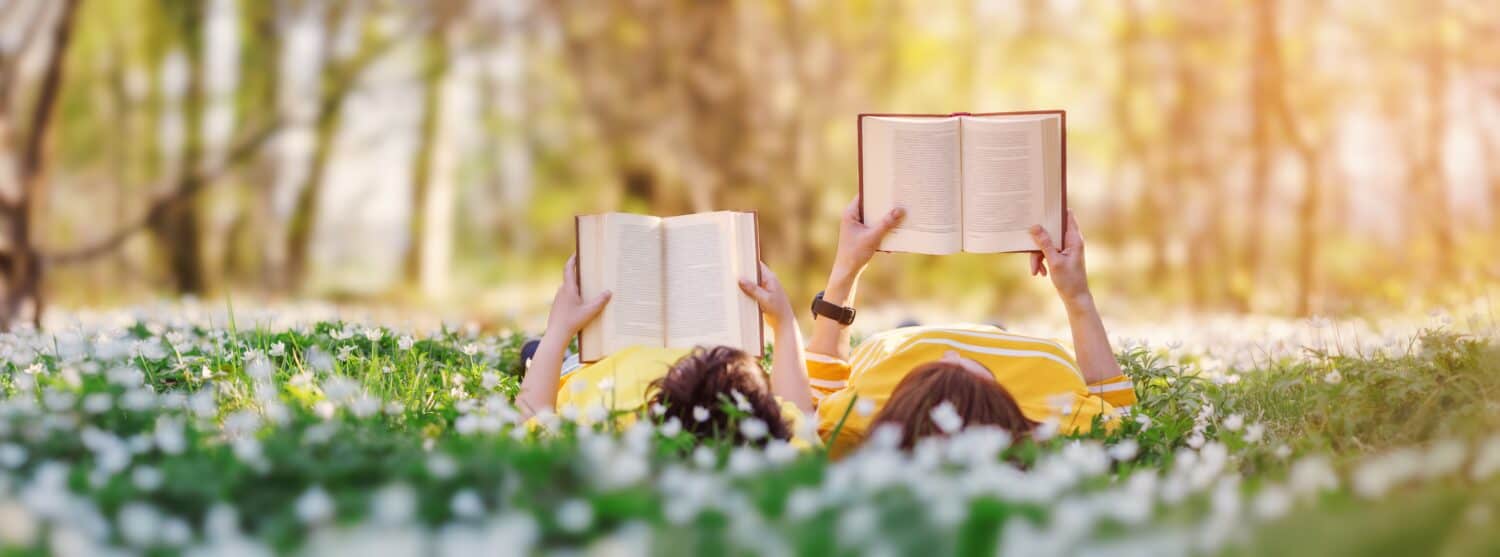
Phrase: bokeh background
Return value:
(1288, 157)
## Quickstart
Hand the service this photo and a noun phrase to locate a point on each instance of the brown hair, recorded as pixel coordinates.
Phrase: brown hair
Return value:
(978, 402)
(708, 378)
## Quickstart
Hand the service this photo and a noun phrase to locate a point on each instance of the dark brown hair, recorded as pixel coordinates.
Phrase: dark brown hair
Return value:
(708, 378)
(977, 400)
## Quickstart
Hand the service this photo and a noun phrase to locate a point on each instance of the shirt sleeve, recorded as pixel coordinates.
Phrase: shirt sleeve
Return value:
(827, 374)
(1119, 392)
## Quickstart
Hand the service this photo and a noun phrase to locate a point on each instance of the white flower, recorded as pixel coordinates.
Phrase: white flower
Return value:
(1196, 440)
(314, 506)
(1124, 450)
(700, 414)
(405, 342)
(372, 334)
(740, 401)
(1333, 377)
(705, 457)
(442, 466)
(575, 516)
(671, 427)
(470, 349)
(753, 428)
(278, 349)
(1254, 432)
(658, 409)
(1234, 422)
(393, 505)
(946, 418)
(489, 380)
(139, 524)
(12, 456)
(467, 504)
(146, 478)
(1272, 502)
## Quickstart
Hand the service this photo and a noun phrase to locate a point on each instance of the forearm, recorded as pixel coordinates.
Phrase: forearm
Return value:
(829, 337)
(538, 391)
(788, 370)
(1090, 341)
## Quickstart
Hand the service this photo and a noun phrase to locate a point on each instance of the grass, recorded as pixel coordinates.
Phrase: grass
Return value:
(337, 435)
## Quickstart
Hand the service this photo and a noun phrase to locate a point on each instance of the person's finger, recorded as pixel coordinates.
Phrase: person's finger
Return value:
(851, 213)
(570, 273)
(768, 277)
(890, 221)
(1036, 264)
(594, 306)
(1074, 233)
(760, 295)
(1044, 242)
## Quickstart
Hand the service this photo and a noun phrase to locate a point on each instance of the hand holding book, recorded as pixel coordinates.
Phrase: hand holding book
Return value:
(570, 311)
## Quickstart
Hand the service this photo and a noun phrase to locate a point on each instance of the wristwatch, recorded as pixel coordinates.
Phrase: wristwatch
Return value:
(844, 315)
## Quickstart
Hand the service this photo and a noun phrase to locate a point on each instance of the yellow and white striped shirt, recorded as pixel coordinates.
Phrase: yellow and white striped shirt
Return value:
(1039, 373)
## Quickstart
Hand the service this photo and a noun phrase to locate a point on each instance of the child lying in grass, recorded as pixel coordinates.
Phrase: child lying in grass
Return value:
(709, 391)
(935, 380)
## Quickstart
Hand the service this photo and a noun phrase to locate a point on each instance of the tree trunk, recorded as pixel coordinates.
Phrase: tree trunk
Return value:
(434, 71)
(20, 261)
(1308, 213)
(309, 197)
(1264, 65)
(1435, 131)
(178, 230)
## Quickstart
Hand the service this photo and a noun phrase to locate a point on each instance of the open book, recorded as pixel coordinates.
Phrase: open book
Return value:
(971, 183)
(675, 281)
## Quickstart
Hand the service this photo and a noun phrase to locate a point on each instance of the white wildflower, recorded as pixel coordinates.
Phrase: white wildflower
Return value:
(405, 342)
(1234, 422)
(315, 506)
(946, 418)
(575, 516)
(700, 414)
(1333, 377)
(467, 504)
(753, 428)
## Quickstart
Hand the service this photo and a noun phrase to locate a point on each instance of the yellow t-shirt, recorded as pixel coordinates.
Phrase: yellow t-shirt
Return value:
(618, 385)
(1040, 374)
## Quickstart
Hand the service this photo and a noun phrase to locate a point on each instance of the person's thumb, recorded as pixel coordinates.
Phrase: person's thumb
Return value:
(595, 305)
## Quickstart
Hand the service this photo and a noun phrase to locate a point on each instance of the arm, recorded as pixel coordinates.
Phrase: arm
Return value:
(568, 316)
(788, 371)
(1070, 278)
(857, 245)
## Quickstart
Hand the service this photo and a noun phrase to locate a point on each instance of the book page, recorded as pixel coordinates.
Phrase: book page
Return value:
(702, 296)
(747, 267)
(591, 282)
(630, 266)
(1004, 175)
(913, 163)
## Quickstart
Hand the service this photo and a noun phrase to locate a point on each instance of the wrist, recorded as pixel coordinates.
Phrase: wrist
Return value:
(1079, 302)
(841, 286)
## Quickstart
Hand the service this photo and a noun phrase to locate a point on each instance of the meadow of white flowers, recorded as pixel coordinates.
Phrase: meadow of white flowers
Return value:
(184, 430)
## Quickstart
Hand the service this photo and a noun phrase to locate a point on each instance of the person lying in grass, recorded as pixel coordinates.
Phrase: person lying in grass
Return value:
(708, 391)
(934, 380)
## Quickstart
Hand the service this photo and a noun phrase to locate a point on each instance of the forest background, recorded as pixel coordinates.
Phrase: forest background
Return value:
(1321, 157)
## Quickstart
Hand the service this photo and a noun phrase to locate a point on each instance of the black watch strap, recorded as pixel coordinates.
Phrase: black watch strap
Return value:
(843, 315)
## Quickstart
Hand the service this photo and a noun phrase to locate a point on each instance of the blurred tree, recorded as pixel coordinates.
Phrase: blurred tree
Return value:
(25, 147)
(418, 266)
(178, 228)
(339, 77)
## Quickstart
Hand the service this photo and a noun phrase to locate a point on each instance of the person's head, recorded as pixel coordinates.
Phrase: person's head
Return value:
(962, 382)
(707, 379)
